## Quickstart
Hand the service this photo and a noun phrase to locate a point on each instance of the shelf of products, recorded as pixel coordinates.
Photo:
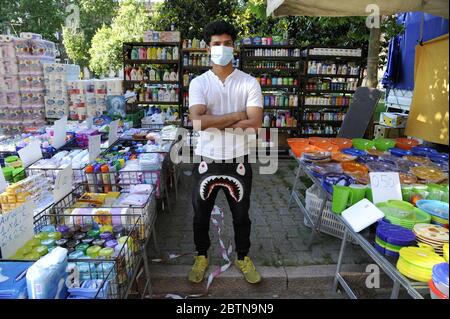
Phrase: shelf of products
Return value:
(153, 71)
(329, 78)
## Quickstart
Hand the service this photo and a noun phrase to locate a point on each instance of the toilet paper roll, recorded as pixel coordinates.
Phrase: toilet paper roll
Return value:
(30, 36)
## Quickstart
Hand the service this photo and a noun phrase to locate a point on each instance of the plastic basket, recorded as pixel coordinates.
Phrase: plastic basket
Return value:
(330, 224)
(144, 215)
(116, 272)
(78, 173)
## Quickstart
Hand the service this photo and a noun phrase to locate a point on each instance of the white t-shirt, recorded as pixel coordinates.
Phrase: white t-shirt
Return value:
(239, 91)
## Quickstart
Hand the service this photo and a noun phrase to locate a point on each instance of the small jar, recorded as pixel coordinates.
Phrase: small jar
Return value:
(41, 250)
(55, 235)
(61, 242)
(82, 247)
(94, 233)
(106, 253)
(88, 240)
(93, 251)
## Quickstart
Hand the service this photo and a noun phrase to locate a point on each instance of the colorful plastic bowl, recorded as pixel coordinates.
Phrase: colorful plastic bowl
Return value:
(406, 143)
(383, 144)
(362, 144)
(341, 142)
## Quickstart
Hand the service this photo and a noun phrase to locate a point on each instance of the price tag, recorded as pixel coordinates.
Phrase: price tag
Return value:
(385, 186)
(63, 183)
(16, 228)
(94, 147)
(113, 127)
(30, 153)
(59, 133)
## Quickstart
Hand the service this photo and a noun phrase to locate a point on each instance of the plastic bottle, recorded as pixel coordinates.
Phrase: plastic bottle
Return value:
(175, 53)
(92, 183)
(106, 178)
(166, 76)
(163, 54)
(112, 177)
(173, 95)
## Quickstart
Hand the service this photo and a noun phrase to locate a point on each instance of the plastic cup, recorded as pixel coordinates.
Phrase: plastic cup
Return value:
(341, 196)
(357, 193)
(369, 194)
(406, 192)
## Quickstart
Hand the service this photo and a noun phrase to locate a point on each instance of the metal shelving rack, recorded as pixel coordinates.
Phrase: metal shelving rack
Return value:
(126, 53)
(337, 59)
(247, 55)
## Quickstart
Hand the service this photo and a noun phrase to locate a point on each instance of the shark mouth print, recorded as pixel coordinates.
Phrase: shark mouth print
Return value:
(234, 186)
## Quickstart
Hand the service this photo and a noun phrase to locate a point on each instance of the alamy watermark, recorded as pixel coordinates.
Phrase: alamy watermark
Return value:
(374, 17)
(373, 279)
(73, 18)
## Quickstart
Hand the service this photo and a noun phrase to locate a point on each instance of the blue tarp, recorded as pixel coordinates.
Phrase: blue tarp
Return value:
(400, 71)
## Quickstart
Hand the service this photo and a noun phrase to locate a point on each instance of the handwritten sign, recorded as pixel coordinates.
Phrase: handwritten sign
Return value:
(2, 182)
(63, 183)
(59, 133)
(30, 153)
(94, 147)
(385, 186)
(113, 127)
(16, 228)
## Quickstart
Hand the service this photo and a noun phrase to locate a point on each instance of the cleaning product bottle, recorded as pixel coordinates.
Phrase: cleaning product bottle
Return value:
(166, 76)
(106, 178)
(266, 120)
(173, 95)
(175, 53)
(92, 184)
(169, 54)
(163, 54)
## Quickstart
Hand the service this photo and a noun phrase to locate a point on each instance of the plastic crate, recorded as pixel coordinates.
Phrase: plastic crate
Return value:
(330, 225)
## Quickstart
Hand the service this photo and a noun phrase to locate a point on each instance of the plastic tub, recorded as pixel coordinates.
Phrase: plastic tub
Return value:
(406, 143)
(434, 292)
(341, 142)
(383, 144)
(362, 144)
(354, 167)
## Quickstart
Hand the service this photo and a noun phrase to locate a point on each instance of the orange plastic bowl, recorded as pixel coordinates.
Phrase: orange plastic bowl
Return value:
(315, 140)
(297, 141)
(341, 142)
(406, 143)
(354, 167)
(299, 149)
(329, 147)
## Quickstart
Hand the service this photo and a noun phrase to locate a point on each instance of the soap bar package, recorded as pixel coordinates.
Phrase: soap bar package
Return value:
(13, 283)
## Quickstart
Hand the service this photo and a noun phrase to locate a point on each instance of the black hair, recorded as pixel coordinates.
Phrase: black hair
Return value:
(218, 28)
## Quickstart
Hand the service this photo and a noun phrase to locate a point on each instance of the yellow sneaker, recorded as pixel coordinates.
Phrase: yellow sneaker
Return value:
(248, 269)
(198, 269)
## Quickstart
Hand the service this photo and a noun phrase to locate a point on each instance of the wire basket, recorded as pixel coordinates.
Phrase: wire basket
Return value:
(152, 126)
(79, 175)
(330, 224)
(144, 214)
(115, 272)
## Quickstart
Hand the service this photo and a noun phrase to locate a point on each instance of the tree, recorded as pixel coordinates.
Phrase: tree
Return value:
(129, 25)
(38, 16)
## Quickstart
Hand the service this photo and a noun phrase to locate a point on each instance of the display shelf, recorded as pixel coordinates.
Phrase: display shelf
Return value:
(267, 70)
(281, 108)
(331, 76)
(151, 82)
(322, 122)
(329, 92)
(141, 44)
(335, 58)
(279, 87)
(271, 46)
(139, 61)
(157, 103)
(274, 58)
(282, 128)
(311, 106)
(318, 135)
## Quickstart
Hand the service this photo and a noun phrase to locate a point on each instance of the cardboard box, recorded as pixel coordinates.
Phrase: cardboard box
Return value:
(162, 36)
(396, 120)
(381, 131)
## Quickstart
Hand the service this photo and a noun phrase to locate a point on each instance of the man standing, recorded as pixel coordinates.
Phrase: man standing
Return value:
(221, 99)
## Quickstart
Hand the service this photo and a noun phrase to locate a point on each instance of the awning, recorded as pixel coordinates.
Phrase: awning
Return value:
(343, 8)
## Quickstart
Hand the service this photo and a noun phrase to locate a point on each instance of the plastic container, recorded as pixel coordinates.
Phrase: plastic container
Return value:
(341, 142)
(362, 144)
(383, 144)
(403, 213)
(406, 143)
(440, 277)
(417, 262)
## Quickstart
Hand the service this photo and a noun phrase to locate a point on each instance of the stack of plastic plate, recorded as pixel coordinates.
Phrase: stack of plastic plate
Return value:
(437, 209)
(433, 235)
(417, 262)
(403, 214)
(391, 238)
(439, 281)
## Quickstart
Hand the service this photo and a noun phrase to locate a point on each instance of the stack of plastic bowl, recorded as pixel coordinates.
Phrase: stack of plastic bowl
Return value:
(439, 281)
(403, 214)
(384, 144)
(391, 238)
(362, 144)
(437, 209)
(417, 262)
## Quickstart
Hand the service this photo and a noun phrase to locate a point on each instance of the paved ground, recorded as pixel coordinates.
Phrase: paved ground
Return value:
(278, 237)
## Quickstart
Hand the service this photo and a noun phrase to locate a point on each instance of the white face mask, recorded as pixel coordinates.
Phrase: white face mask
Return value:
(221, 55)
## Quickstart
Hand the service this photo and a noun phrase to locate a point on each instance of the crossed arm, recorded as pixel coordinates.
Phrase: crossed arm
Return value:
(251, 118)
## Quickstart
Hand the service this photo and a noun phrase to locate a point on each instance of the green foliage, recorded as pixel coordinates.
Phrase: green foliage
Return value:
(130, 23)
(38, 16)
